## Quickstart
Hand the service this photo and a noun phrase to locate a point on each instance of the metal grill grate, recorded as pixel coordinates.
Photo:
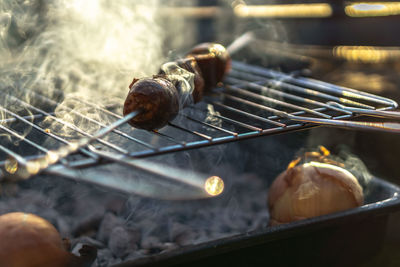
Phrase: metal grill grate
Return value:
(254, 102)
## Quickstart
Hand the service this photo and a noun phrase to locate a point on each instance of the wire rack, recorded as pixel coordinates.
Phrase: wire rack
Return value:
(254, 101)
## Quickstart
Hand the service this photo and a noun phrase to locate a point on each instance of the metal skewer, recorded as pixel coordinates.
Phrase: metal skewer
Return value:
(200, 185)
(147, 186)
(240, 42)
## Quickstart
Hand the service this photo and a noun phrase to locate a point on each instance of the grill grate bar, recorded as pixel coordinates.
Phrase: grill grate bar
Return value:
(99, 108)
(212, 126)
(217, 103)
(293, 88)
(28, 141)
(209, 138)
(95, 122)
(275, 117)
(23, 138)
(270, 91)
(69, 125)
(43, 131)
(169, 138)
(275, 101)
(242, 124)
(13, 155)
(315, 84)
(277, 112)
(28, 117)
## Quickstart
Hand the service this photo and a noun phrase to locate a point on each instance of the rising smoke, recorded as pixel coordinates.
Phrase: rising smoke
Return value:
(89, 49)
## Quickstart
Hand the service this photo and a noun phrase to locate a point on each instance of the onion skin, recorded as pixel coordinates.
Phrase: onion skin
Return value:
(27, 240)
(312, 189)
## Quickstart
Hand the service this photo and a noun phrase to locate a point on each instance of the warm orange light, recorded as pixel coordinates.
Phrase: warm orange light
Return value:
(11, 165)
(214, 185)
(33, 167)
(318, 10)
(192, 12)
(293, 163)
(372, 9)
(365, 54)
(324, 150)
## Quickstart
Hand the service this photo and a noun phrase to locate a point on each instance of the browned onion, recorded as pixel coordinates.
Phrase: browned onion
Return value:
(27, 240)
(312, 189)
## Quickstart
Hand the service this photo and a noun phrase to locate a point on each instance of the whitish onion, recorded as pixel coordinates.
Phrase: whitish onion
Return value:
(312, 189)
(27, 240)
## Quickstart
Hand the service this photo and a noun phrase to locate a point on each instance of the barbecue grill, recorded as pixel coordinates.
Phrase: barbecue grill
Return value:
(254, 101)
(46, 143)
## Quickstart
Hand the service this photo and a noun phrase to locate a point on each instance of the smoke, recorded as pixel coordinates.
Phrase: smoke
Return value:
(88, 49)
(342, 157)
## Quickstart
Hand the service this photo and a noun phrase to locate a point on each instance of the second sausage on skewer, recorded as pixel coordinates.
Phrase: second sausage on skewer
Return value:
(179, 84)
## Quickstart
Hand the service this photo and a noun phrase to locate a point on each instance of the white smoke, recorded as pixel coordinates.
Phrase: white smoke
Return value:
(89, 49)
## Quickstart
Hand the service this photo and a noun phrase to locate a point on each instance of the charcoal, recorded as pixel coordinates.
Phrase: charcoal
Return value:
(90, 241)
(130, 228)
(134, 235)
(120, 242)
(76, 249)
(104, 256)
(169, 246)
(260, 221)
(114, 261)
(182, 234)
(134, 255)
(63, 226)
(151, 242)
(109, 222)
(89, 223)
(8, 189)
(115, 204)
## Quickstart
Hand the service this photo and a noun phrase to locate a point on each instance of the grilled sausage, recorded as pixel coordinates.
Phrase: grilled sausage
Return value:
(192, 66)
(214, 62)
(177, 85)
(156, 98)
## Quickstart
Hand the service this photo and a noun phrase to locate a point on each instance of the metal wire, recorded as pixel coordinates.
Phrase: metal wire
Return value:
(254, 102)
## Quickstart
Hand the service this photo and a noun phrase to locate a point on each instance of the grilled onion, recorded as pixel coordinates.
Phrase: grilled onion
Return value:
(310, 190)
(27, 240)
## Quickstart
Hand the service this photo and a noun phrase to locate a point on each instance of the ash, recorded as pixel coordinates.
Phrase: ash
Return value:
(126, 228)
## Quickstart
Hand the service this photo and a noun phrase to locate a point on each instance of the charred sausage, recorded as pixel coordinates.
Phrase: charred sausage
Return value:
(214, 62)
(177, 85)
(156, 98)
(192, 66)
